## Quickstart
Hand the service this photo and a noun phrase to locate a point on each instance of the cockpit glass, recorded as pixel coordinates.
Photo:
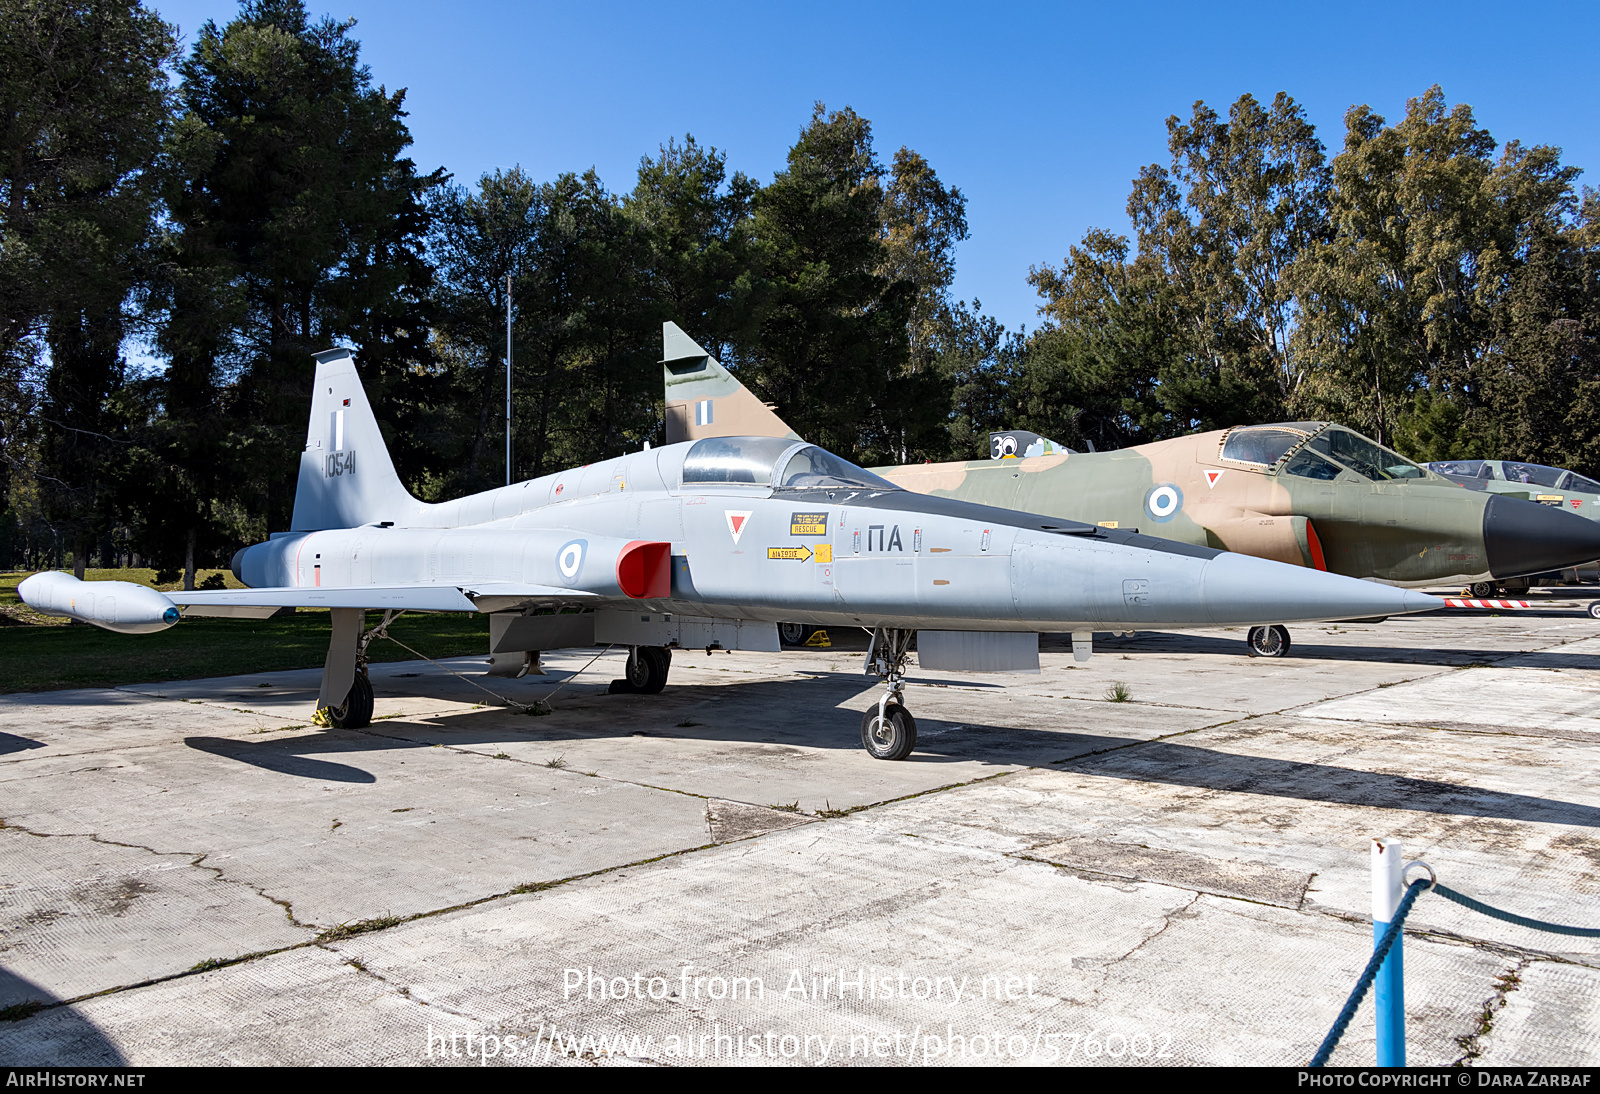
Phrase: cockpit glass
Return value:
(813, 468)
(1309, 465)
(1263, 446)
(747, 460)
(1535, 474)
(1365, 458)
(1582, 485)
(1467, 469)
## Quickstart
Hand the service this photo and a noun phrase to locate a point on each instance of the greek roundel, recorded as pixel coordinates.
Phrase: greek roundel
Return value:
(1163, 502)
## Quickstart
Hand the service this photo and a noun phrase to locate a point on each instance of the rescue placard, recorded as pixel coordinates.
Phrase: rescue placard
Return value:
(808, 524)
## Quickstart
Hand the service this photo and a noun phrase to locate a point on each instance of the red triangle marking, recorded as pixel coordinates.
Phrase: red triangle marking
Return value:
(1212, 477)
(738, 522)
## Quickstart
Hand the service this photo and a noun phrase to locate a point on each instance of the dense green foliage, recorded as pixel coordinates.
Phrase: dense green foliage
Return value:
(1422, 283)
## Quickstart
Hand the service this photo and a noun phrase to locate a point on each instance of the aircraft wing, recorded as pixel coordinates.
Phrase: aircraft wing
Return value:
(260, 603)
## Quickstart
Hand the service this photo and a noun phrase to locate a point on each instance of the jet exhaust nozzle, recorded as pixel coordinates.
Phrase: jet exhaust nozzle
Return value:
(119, 606)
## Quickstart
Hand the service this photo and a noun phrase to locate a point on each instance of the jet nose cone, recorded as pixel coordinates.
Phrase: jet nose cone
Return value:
(1524, 537)
(1421, 602)
(1243, 590)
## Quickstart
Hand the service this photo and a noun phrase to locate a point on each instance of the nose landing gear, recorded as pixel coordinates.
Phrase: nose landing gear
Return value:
(888, 731)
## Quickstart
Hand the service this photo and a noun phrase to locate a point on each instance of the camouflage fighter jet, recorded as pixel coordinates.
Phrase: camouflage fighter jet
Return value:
(1310, 494)
(704, 545)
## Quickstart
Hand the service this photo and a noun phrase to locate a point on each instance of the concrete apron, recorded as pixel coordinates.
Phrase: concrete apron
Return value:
(192, 873)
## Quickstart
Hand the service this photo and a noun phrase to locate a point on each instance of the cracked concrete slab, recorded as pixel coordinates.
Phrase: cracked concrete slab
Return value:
(1549, 1015)
(299, 814)
(80, 915)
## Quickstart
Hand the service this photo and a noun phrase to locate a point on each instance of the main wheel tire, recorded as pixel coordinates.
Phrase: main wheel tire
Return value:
(891, 739)
(356, 711)
(646, 672)
(1594, 608)
(1483, 589)
(1268, 641)
(795, 634)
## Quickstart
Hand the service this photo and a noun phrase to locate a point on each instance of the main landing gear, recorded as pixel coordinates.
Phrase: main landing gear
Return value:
(646, 671)
(344, 673)
(888, 731)
(795, 634)
(1270, 641)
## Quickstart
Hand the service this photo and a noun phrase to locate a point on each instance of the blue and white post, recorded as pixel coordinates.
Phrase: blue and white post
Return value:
(1390, 1001)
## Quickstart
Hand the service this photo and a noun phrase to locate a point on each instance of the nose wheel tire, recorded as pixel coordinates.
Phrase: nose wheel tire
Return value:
(356, 711)
(891, 737)
(1483, 589)
(1268, 641)
(1594, 608)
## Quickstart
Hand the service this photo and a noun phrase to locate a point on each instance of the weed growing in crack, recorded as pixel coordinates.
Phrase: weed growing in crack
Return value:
(362, 926)
(1118, 692)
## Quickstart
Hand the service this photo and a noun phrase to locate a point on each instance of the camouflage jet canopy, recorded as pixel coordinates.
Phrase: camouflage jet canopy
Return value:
(707, 545)
(1311, 494)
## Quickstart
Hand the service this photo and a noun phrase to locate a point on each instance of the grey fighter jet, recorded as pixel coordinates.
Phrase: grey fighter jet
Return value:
(702, 545)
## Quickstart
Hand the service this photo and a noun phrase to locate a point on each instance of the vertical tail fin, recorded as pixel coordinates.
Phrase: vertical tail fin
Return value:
(703, 398)
(346, 476)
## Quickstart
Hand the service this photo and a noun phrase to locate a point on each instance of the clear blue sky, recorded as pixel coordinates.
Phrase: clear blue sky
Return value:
(1040, 113)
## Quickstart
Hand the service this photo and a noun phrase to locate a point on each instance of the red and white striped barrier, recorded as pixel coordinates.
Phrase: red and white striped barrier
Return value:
(1459, 602)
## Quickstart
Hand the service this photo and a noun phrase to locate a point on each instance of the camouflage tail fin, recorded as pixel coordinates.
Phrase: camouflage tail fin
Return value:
(346, 476)
(703, 398)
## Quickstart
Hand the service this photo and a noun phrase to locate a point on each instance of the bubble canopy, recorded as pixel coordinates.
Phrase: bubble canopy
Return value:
(776, 462)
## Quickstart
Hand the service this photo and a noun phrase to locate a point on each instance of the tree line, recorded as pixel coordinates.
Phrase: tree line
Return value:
(230, 210)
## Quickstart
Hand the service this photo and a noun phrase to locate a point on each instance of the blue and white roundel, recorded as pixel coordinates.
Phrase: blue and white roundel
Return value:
(569, 560)
(1163, 502)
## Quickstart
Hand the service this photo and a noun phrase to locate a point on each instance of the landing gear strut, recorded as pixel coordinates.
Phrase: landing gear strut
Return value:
(888, 731)
(1268, 641)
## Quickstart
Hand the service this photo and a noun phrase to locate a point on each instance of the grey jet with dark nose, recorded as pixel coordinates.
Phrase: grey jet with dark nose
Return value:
(708, 545)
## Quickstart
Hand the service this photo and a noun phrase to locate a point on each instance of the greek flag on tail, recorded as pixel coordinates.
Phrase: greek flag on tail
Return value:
(702, 412)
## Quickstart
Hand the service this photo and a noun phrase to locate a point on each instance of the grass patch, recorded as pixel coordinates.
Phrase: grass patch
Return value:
(792, 807)
(349, 930)
(16, 1012)
(535, 886)
(209, 963)
(1118, 692)
(558, 762)
(40, 653)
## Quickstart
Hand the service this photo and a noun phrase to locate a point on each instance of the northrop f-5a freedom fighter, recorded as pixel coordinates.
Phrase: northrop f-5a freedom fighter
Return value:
(702, 545)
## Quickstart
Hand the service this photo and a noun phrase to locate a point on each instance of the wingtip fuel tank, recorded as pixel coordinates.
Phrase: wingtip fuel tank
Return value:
(119, 606)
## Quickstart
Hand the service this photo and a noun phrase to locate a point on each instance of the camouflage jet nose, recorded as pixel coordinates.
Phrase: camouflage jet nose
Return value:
(1524, 537)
